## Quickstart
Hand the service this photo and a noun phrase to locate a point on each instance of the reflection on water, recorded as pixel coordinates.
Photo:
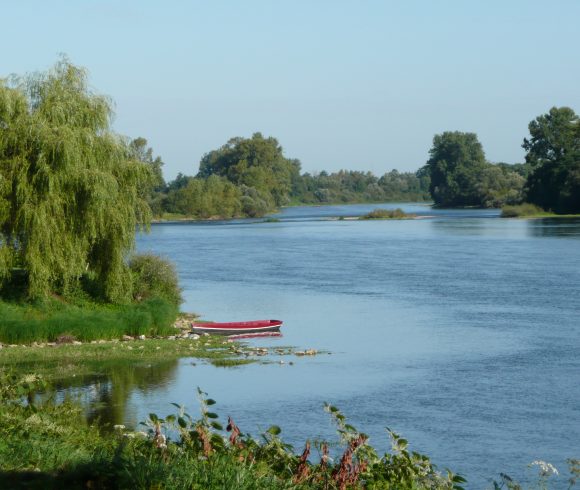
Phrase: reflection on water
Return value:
(106, 396)
(554, 227)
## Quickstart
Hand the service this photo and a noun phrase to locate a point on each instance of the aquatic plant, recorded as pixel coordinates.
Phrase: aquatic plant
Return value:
(387, 214)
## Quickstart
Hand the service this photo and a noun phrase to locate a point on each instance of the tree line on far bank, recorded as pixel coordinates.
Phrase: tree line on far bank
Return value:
(549, 179)
(251, 176)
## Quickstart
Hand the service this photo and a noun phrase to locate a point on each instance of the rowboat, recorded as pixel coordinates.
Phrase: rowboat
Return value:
(237, 328)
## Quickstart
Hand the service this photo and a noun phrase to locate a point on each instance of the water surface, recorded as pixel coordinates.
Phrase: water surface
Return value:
(460, 331)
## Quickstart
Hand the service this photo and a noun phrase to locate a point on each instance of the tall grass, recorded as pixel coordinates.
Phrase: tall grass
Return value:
(46, 322)
(522, 210)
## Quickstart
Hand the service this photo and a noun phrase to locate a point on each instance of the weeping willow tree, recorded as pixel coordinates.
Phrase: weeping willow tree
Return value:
(70, 188)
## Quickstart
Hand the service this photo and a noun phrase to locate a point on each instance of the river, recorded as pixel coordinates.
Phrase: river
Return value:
(460, 331)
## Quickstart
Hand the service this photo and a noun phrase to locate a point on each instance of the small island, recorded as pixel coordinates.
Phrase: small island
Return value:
(383, 214)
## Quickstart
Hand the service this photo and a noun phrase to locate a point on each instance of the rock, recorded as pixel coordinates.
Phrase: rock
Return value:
(206, 334)
(93, 341)
(126, 337)
(171, 337)
(142, 337)
(281, 362)
(76, 342)
(194, 336)
(102, 341)
(129, 347)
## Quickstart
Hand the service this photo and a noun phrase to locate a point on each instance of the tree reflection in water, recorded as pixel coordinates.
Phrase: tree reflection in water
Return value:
(105, 395)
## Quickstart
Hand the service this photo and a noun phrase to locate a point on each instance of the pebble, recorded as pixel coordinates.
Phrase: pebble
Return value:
(126, 337)
(142, 337)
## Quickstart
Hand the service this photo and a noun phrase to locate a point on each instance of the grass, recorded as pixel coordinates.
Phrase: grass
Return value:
(44, 445)
(24, 323)
(64, 361)
(527, 210)
(387, 214)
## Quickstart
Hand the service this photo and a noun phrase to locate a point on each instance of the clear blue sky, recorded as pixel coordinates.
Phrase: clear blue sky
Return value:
(358, 84)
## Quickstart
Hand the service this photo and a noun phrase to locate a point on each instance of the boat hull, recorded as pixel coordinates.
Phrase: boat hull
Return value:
(237, 328)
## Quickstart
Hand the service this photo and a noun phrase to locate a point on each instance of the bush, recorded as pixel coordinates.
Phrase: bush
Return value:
(521, 210)
(387, 214)
(154, 277)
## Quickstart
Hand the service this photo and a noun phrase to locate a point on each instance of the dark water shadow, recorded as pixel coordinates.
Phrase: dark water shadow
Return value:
(554, 227)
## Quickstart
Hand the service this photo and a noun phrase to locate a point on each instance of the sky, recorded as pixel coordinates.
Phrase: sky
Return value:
(357, 84)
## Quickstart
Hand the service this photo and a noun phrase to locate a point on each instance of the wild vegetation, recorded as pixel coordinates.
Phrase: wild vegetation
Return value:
(72, 194)
(550, 178)
(47, 445)
(553, 152)
(387, 214)
(524, 210)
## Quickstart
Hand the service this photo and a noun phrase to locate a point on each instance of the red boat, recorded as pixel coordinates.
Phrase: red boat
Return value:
(237, 328)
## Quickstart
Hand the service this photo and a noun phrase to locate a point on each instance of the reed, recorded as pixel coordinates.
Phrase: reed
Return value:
(51, 320)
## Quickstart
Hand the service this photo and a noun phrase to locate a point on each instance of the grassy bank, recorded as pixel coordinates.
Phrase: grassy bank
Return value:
(61, 361)
(51, 320)
(52, 446)
(527, 210)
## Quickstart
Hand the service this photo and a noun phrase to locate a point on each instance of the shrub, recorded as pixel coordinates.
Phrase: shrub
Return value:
(387, 214)
(521, 210)
(154, 277)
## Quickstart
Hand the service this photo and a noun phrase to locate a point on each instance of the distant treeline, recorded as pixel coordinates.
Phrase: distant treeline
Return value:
(252, 177)
(550, 178)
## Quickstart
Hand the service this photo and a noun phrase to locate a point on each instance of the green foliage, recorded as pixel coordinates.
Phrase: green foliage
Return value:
(154, 277)
(553, 151)
(49, 320)
(522, 210)
(69, 186)
(387, 214)
(460, 176)
(255, 162)
(204, 198)
(154, 192)
(355, 186)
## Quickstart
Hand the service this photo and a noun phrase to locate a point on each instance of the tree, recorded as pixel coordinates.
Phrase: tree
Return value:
(256, 162)
(553, 151)
(154, 194)
(69, 186)
(455, 165)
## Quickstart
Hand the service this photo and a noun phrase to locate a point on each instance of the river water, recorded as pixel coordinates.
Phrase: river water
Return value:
(460, 331)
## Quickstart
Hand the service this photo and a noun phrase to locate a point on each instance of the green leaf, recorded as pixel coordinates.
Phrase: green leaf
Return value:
(211, 415)
(274, 430)
(216, 425)
(182, 423)
(210, 401)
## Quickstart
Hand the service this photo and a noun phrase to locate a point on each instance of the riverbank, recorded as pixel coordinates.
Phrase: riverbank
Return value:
(45, 445)
(69, 358)
(530, 211)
